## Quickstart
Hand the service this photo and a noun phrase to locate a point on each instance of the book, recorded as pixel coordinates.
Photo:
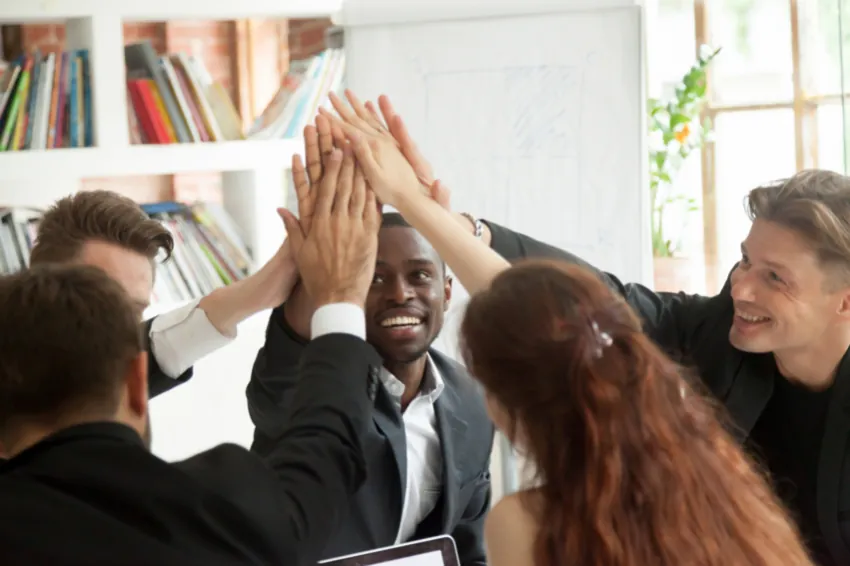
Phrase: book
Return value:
(208, 253)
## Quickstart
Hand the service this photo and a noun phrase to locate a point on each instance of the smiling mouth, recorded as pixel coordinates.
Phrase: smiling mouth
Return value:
(401, 322)
(752, 319)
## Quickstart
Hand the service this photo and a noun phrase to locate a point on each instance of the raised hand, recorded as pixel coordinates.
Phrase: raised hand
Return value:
(336, 258)
(318, 142)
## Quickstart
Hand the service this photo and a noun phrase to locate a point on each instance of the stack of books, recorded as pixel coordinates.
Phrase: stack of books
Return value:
(173, 99)
(45, 102)
(303, 91)
(208, 252)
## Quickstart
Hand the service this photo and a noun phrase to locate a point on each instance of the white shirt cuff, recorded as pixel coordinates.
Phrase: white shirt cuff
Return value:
(181, 337)
(338, 318)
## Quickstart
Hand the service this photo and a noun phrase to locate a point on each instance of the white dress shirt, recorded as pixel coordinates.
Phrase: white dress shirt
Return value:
(424, 480)
(181, 337)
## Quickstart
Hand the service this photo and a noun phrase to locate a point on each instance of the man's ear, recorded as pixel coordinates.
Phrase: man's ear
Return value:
(137, 384)
(447, 291)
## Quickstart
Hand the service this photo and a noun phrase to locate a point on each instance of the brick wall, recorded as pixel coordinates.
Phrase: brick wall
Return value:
(307, 37)
(275, 42)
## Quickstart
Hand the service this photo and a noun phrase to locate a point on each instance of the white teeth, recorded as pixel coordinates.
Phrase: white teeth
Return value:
(401, 321)
(751, 318)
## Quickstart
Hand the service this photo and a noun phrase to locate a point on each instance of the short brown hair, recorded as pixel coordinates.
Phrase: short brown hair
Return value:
(97, 215)
(815, 204)
(69, 333)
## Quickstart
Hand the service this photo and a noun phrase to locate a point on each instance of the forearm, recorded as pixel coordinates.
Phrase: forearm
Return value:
(470, 259)
(228, 306)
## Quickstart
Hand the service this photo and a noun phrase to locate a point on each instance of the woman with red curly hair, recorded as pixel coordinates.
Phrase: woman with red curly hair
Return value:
(632, 466)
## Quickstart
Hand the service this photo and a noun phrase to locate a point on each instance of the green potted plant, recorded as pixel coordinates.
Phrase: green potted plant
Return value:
(675, 132)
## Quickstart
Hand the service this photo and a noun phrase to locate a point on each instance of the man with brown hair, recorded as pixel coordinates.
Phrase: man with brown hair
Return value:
(112, 232)
(81, 486)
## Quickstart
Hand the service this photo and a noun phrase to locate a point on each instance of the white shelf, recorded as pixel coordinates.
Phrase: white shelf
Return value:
(158, 10)
(94, 162)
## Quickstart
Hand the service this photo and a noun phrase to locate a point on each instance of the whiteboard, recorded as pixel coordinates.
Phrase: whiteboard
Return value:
(532, 113)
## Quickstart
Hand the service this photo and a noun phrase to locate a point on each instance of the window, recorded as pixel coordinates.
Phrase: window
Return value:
(779, 99)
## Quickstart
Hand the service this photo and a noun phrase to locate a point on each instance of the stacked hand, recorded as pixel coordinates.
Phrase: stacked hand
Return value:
(335, 244)
(390, 158)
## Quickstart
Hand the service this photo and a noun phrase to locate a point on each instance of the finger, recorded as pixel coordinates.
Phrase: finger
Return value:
(345, 182)
(366, 160)
(371, 212)
(342, 131)
(293, 228)
(347, 114)
(358, 193)
(299, 178)
(410, 149)
(387, 109)
(360, 111)
(375, 119)
(326, 141)
(327, 188)
(312, 154)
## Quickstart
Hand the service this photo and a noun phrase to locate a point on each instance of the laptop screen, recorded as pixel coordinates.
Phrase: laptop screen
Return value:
(438, 551)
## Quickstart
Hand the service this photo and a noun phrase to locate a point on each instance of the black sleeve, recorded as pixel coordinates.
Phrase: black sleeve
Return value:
(319, 458)
(675, 321)
(295, 498)
(273, 380)
(158, 381)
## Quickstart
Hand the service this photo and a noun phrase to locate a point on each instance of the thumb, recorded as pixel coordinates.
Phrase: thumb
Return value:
(440, 193)
(293, 227)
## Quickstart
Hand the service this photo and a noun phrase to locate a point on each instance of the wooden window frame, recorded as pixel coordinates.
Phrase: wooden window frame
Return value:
(805, 107)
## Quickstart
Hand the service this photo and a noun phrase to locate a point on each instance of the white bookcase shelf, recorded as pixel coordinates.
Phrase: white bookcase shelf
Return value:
(148, 159)
(255, 173)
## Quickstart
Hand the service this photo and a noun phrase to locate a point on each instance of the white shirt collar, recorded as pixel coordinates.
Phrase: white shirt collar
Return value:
(432, 383)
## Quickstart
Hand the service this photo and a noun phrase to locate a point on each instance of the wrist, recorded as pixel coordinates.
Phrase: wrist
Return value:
(337, 297)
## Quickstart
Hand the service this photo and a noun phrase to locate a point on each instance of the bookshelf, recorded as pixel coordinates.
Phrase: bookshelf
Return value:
(254, 172)
(255, 179)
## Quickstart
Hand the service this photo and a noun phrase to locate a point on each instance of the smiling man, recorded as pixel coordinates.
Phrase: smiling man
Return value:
(773, 345)
(429, 447)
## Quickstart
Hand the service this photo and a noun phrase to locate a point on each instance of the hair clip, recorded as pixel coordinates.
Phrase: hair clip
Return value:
(602, 339)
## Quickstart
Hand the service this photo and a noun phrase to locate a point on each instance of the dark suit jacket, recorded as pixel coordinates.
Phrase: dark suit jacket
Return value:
(158, 381)
(372, 520)
(695, 329)
(93, 494)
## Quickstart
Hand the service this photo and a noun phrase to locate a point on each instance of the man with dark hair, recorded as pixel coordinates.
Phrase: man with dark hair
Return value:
(112, 232)
(430, 441)
(81, 486)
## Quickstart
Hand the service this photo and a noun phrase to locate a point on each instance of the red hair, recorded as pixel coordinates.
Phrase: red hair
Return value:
(633, 465)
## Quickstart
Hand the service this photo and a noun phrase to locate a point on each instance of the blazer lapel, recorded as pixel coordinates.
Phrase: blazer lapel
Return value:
(389, 422)
(451, 429)
(750, 391)
(831, 465)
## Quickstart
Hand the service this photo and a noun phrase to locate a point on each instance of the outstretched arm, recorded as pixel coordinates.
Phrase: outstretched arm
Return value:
(178, 339)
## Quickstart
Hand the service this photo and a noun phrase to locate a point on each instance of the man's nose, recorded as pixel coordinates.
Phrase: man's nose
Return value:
(743, 288)
(401, 291)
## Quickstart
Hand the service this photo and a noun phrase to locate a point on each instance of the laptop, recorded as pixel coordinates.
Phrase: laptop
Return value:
(437, 551)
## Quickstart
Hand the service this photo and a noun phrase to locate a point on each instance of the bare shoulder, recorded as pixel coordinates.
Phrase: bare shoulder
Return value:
(511, 531)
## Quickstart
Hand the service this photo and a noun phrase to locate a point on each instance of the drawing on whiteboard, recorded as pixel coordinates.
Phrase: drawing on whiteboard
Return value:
(512, 152)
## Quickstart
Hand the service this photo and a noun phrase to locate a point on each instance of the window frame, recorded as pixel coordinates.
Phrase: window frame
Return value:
(805, 107)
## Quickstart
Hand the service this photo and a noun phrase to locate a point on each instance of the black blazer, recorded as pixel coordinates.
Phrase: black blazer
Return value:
(158, 381)
(372, 519)
(93, 494)
(695, 330)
